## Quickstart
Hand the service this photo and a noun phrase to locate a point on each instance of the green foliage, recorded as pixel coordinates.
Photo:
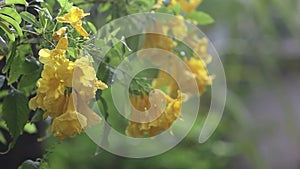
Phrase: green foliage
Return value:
(65, 5)
(12, 22)
(201, 18)
(16, 69)
(29, 164)
(15, 113)
(2, 79)
(30, 128)
(10, 2)
(12, 13)
(26, 28)
(7, 31)
(28, 17)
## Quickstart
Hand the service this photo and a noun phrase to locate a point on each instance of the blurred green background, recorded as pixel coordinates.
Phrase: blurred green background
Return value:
(259, 45)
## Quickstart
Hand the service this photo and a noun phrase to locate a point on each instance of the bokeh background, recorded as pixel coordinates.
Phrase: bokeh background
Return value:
(259, 44)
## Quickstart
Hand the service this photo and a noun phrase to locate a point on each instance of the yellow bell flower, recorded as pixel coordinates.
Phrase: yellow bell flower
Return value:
(196, 72)
(158, 41)
(178, 27)
(186, 5)
(82, 107)
(198, 69)
(85, 82)
(162, 123)
(59, 34)
(200, 47)
(74, 18)
(189, 6)
(69, 123)
(165, 80)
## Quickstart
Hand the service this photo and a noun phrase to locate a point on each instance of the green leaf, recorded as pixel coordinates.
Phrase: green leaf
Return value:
(10, 57)
(30, 128)
(8, 32)
(16, 69)
(177, 8)
(3, 47)
(65, 4)
(10, 2)
(29, 164)
(28, 82)
(2, 138)
(3, 93)
(28, 17)
(30, 65)
(15, 113)
(72, 51)
(3, 125)
(92, 27)
(200, 17)
(14, 23)
(2, 79)
(12, 13)
(38, 116)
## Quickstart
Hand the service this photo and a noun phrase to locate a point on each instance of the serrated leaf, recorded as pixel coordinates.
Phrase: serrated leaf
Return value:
(15, 113)
(22, 2)
(30, 128)
(16, 69)
(7, 31)
(201, 18)
(2, 79)
(13, 23)
(29, 164)
(28, 17)
(12, 13)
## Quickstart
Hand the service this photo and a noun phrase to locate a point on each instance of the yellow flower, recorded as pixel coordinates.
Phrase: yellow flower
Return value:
(74, 18)
(200, 47)
(186, 5)
(85, 82)
(198, 69)
(178, 27)
(196, 72)
(158, 41)
(162, 123)
(69, 123)
(56, 64)
(59, 34)
(82, 107)
(56, 77)
(189, 6)
(53, 96)
(1, 57)
(165, 80)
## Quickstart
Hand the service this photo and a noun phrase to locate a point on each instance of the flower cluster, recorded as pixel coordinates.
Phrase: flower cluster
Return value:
(193, 70)
(66, 87)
